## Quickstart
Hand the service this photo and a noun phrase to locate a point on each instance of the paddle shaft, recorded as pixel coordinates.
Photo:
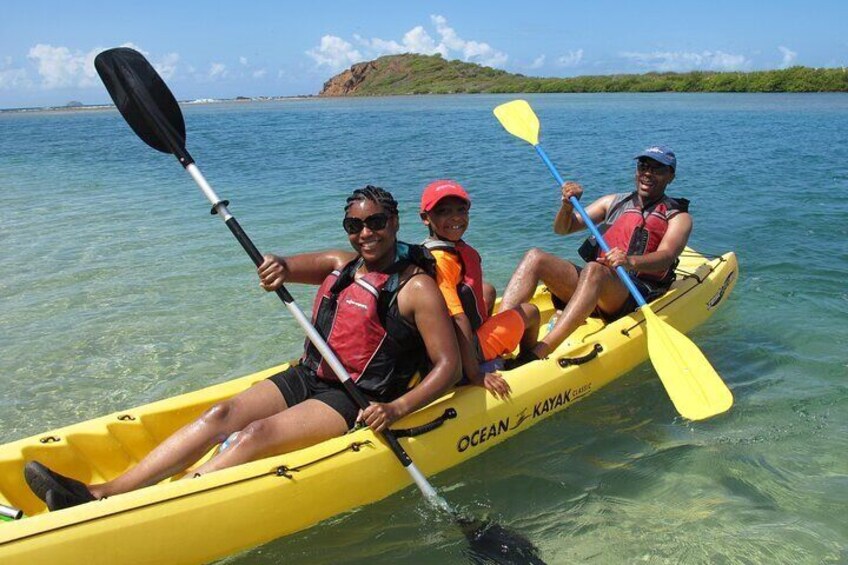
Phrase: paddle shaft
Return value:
(10, 512)
(151, 110)
(622, 274)
(219, 207)
(694, 387)
(713, 397)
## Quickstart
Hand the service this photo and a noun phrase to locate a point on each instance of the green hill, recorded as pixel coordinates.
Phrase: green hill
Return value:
(431, 74)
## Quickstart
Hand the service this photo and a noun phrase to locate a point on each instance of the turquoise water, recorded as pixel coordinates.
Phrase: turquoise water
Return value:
(118, 288)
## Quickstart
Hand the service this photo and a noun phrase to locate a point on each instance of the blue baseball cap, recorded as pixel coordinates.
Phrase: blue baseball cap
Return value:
(660, 153)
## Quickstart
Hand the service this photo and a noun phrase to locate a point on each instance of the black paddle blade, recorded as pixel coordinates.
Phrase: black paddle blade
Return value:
(490, 543)
(144, 100)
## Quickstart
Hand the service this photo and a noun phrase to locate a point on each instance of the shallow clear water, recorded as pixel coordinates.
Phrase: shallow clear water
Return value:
(118, 288)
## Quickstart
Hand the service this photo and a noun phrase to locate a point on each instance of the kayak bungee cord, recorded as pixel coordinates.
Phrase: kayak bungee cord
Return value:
(150, 109)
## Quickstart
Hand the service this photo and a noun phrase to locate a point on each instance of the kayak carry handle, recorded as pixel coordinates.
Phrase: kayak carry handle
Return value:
(449, 414)
(569, 361)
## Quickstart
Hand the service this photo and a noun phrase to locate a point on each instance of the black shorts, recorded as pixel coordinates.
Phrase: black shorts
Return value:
(648, 289)
(299, 383)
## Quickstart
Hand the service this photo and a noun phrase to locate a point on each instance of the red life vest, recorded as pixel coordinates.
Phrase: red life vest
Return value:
(470, 287)
(640, 230)
(359, 319)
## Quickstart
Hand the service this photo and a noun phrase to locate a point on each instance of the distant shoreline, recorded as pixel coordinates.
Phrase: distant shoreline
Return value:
(196, 102)
(244, 100)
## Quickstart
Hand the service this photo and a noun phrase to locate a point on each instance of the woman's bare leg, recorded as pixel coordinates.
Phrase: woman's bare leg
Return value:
(302, 425)
(189, 443)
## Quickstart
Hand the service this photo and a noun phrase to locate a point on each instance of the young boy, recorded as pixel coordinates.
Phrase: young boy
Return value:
(482, 338)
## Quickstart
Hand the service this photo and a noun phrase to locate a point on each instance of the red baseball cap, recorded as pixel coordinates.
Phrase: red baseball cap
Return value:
(439, 189)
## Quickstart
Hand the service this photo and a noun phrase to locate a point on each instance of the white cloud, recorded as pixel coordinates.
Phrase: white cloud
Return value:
(59, 68)
(259, 73)
(243, 61)
(132, 45)
(789, 56)
(380, 45)
(475, 51)
(571, 59)
(687, 61)
(167, 65)
(11, 77)
(337, 53)
(334, 52)
(538, 62)
(217, 70)
(14, 78)
(416, 40)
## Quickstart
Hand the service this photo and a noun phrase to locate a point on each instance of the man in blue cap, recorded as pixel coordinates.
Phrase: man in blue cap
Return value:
(646, 232)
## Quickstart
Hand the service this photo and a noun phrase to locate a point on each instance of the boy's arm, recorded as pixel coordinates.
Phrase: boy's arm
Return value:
(448, 277)
(466, 339)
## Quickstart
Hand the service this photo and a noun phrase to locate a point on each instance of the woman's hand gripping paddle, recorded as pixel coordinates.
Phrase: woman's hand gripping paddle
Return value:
(150, 109)
(694, 387)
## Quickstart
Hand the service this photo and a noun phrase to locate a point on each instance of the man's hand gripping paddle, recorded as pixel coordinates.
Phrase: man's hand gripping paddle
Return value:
(694, 387)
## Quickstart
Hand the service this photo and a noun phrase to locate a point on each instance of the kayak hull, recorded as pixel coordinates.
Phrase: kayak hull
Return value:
(201, 519)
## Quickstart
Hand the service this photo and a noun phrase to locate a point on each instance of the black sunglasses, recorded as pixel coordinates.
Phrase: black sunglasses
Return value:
(644, 165)
(374, 222)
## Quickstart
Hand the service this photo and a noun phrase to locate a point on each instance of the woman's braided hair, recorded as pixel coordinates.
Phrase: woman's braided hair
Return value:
(375, 194)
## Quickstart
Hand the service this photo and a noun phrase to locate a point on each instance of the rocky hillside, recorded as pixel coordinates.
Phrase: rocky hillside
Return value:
(431, 74)
(413, 74)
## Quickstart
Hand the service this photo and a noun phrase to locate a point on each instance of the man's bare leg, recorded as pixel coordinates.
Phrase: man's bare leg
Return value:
(530, 315)
(559, 275)
(597, 286)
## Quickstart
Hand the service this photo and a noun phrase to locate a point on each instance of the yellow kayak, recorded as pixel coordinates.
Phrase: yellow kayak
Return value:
(200, 519)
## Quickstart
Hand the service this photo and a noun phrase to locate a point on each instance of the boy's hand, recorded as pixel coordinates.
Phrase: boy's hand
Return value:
(496, 384)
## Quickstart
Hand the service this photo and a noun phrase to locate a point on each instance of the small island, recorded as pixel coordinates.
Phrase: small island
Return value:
(432, 74)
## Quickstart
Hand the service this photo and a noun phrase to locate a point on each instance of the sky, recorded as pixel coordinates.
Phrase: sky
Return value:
(215, 49)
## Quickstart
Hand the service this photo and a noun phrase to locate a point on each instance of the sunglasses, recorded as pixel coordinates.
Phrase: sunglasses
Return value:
(374, 222)
(652, 166)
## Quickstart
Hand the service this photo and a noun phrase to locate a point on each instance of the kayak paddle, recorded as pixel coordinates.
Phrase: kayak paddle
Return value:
(151, 110)
(694, 387)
